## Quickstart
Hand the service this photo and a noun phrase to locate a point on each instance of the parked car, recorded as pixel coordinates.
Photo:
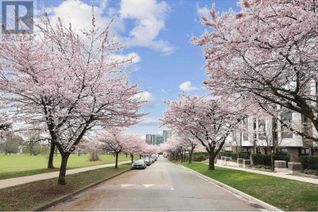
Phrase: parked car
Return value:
(139, 164)
(148, 161)
(154, 157)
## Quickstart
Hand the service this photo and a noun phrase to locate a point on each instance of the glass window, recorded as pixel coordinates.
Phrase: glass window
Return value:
(261, 130)
(304, 151)
(287, 119)
(245, 127)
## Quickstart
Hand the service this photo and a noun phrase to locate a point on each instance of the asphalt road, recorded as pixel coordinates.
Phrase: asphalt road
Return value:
(162, 186)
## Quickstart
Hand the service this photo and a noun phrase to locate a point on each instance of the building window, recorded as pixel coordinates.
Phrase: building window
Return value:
(304, 151)
(287, 117)
(261, 130)
(283, 150)
(245, 129)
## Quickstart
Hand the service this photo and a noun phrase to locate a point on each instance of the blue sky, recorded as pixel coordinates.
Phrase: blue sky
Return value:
(159, 33)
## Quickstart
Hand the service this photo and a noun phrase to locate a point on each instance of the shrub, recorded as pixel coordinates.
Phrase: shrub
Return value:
(227, 153)
(200, 156)
(260, 159)
(230, 154)
(310, 171)
(245, 155)
(234, 156)
(262, 167)
(309, 162)
(281, 156)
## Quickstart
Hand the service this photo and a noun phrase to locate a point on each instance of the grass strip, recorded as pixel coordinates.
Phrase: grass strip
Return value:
(19, 165)
(288, 195)
(33, 195)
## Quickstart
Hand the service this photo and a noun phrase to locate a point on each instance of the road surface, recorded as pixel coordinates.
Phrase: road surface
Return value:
(162, 186)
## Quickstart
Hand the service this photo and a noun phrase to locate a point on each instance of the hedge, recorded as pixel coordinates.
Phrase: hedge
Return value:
(231, 154)
(309, 162)
(281, 156)
(260, 159)
(245, 155)
(200, 156)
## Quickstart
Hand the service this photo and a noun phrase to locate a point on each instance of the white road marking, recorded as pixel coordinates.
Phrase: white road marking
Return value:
(148, 185)
(126, 185)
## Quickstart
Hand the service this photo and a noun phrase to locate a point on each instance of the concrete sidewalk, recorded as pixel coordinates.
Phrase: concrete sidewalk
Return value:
(32, 178)
(274, 174)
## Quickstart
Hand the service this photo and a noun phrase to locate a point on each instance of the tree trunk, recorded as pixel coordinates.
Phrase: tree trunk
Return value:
(61, 180)
(6, 147)
(190, 155)
(31, 144)
(51, 156)
(116, 161)
(272, 158)
(132, 158)
(211, 160)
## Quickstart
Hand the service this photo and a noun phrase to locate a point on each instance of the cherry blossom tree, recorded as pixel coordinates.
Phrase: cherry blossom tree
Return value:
(190, 144)
(133, 144)
(93, 147)
(5, 124)
(267, 54)
(5, 130)
(69, 81)
(204, 119)
(32, 138)
(180, 143)
(114, 141)
(174, 147)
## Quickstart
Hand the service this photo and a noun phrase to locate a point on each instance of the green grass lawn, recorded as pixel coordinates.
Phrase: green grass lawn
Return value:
(32, 195)
(16, 165)
(282, 193)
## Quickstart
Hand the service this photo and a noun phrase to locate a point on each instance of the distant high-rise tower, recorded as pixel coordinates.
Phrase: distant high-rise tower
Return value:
(154, 139)
(166, 134)
(150, 139)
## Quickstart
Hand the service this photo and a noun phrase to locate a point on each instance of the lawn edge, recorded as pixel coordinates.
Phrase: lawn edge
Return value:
(241, 195)
(57, 170)
(68, 196)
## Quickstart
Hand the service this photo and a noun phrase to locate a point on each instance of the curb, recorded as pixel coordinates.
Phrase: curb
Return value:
(241, 195)
(69, 196)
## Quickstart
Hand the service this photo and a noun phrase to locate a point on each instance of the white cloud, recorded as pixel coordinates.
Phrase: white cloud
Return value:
(144, 96)
(79, 14)
(187, 87)
(202, 11)
(150, 122)
(133, 55)
(149, 16)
